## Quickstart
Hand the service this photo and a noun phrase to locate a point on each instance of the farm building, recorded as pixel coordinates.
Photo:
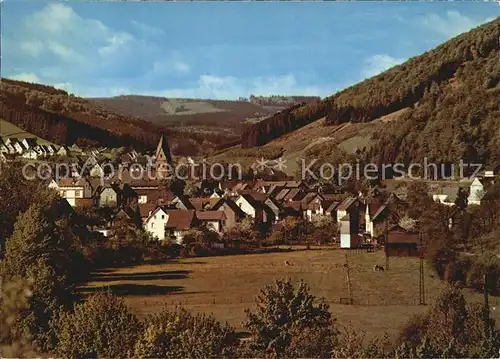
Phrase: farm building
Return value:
(402, 243)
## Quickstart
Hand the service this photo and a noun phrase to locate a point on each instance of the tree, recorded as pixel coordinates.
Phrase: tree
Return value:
(14, 298)
(180, 334)
(39, 251)
(101, 326)
(174, 184)
(450, 328)
(283, 315)
(408, 223)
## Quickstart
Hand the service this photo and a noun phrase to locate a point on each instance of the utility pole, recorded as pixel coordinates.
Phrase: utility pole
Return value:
(486, 306)
(421, 288)
(348, 278)
(386, 242)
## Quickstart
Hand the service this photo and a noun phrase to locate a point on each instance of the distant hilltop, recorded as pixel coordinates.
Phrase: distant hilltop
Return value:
(276, 100)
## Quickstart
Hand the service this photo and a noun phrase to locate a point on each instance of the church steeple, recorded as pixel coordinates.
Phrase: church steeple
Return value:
(163, 157)
(163, 151)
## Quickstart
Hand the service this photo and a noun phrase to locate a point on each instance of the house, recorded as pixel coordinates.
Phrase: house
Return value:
(63, 151)
(350, 206)
(312, 205)
(169, 224)
(478, 189)
(3, 147)
(96, 170)
(202, 203)
(182, 202)
(330, 208)
(276, 207)
(255, 208)
(28, 143)
(77, 193)
(3, 157)
(50, 150)
(375, 214)
(232, 211)
(402, 243)
(156, 222)
(179, 222)
(75, 148)
(145, 210)
(18, 147)
(11, 150)
(446, 195)
(30, 154)
(156, 196)
(214, 220)
(108, 195)
(349, 228)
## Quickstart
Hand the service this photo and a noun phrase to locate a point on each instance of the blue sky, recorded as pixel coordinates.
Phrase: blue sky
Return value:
(221, 50)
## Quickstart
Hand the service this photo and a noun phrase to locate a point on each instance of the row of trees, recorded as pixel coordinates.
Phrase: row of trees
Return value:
(286, 322)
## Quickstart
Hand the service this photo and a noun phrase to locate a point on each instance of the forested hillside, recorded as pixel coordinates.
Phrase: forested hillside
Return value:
(451, 93)
(61, 118)
(201, 115)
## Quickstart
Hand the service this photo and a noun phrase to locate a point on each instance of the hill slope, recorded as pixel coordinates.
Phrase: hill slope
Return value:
(55, 116)
(197, 115)
(444, 105)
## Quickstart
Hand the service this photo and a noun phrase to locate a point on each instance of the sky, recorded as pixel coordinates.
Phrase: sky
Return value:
(221, 50)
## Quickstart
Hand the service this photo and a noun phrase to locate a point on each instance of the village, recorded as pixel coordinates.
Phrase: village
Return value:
(366, 220)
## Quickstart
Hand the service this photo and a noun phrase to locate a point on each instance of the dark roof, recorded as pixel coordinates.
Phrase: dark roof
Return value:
(397, 234)
(295, 194)
(329, 205)
(346, 203)
(181, 220)
(210, 215)
(282, 194)
(146, 208)
(231, 204)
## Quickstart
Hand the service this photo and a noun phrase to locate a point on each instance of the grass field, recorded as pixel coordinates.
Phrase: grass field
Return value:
(226, 285)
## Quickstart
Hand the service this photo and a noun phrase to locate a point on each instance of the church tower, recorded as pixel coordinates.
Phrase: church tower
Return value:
(163, 158)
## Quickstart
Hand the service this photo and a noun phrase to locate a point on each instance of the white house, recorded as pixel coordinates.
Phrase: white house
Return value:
(63, 151)
(28, 143)
(74, 192)
(30, 154)
(18, 147)
(214, 220)
(169, 224)
(349, 237)
(476, 192)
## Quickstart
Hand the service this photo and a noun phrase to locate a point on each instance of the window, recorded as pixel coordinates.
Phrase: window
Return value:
(162, 216)
(154, 216)
(152, 225)
(77, 193)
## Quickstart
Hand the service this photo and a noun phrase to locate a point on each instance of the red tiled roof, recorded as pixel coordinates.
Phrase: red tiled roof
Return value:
(210, 215)
(179, 219)
(146, 208)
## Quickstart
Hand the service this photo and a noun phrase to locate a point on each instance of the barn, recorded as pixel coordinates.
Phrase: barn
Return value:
(402, 243)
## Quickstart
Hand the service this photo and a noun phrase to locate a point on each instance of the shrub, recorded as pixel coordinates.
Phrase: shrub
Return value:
(286, 318)
(180, 334)
(101, 326)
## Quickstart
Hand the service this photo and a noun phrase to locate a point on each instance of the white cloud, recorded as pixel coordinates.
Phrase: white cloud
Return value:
(181, 67)
(147, 30)
(26, 76)
(114, 43)
(32, 48)
(451, 24)
(376, 64)
(57, 33)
